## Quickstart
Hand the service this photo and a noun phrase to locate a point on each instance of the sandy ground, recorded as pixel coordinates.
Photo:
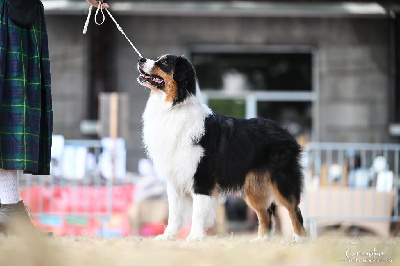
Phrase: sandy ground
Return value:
(215, 250)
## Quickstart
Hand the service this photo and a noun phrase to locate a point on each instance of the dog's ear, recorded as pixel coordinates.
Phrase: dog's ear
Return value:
(185, 78)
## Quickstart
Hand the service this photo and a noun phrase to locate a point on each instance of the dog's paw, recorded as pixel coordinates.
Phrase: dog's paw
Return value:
(165, 237)
(261, 239)
(193, 238)
(298, 239)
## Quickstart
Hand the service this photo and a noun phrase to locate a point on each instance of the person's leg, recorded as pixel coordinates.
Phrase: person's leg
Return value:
(13, 212)
(9, 193)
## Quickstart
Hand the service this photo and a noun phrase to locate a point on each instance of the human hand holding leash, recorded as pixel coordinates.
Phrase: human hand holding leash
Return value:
(100, 6)
(96, 4)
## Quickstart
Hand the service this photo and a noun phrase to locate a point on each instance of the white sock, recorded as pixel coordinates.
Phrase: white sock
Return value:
(9, 193)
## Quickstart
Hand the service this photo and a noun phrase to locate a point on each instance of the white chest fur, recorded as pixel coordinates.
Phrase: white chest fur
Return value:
(168, 136)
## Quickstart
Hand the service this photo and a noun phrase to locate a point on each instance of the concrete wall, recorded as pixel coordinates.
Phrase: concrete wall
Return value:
(69, 73)
(354, 67)
(353, 60)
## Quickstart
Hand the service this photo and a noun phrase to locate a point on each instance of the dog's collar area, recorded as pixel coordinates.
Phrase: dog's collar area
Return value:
(151, 79)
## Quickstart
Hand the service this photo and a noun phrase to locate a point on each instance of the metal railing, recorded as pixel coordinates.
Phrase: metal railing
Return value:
(341, 185)
(351, 182)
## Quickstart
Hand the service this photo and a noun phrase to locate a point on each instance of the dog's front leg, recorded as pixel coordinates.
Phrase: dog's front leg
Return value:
(175, 216)
(203, 216)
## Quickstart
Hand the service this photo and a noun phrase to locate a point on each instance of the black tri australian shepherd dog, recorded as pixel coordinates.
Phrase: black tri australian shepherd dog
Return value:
(200, 153)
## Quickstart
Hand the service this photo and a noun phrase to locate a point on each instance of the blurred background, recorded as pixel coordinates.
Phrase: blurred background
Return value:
(327, 71)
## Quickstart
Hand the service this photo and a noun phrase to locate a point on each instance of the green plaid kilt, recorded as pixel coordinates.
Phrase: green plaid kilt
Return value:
(26, 116)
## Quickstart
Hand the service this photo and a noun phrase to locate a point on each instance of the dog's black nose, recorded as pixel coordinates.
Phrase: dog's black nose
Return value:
(142, 60)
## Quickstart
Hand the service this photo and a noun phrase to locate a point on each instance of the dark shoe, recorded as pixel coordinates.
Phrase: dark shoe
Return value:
(14, 217)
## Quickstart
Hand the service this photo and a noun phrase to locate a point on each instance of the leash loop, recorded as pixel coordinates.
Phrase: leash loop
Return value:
(99, 7)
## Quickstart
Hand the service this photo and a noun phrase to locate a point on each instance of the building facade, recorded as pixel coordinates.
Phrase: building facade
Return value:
(346, 58)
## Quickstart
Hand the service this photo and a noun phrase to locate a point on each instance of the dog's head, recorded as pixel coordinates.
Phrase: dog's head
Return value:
(173, 75)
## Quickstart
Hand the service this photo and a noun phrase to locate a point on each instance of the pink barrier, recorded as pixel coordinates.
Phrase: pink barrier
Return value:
(77, 199)
(60, 209)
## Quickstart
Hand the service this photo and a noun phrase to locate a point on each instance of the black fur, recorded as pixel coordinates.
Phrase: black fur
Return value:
(167, 63)
(272, 208)
(234, 147)
(185, 77)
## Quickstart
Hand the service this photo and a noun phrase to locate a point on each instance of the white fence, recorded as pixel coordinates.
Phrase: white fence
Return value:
(352, 183)
(349, 183)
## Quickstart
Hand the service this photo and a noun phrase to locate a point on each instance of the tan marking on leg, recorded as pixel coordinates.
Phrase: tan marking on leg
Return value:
(291, 206)
(256, 189)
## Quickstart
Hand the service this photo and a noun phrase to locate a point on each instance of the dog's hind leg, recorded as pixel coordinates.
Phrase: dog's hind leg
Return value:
(291, 203)
(258, 196)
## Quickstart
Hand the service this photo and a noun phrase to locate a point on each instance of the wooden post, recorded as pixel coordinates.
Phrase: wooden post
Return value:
(113, 129)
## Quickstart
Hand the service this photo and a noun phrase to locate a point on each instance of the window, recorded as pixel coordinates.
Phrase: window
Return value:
(269, 82)
(259, 71)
